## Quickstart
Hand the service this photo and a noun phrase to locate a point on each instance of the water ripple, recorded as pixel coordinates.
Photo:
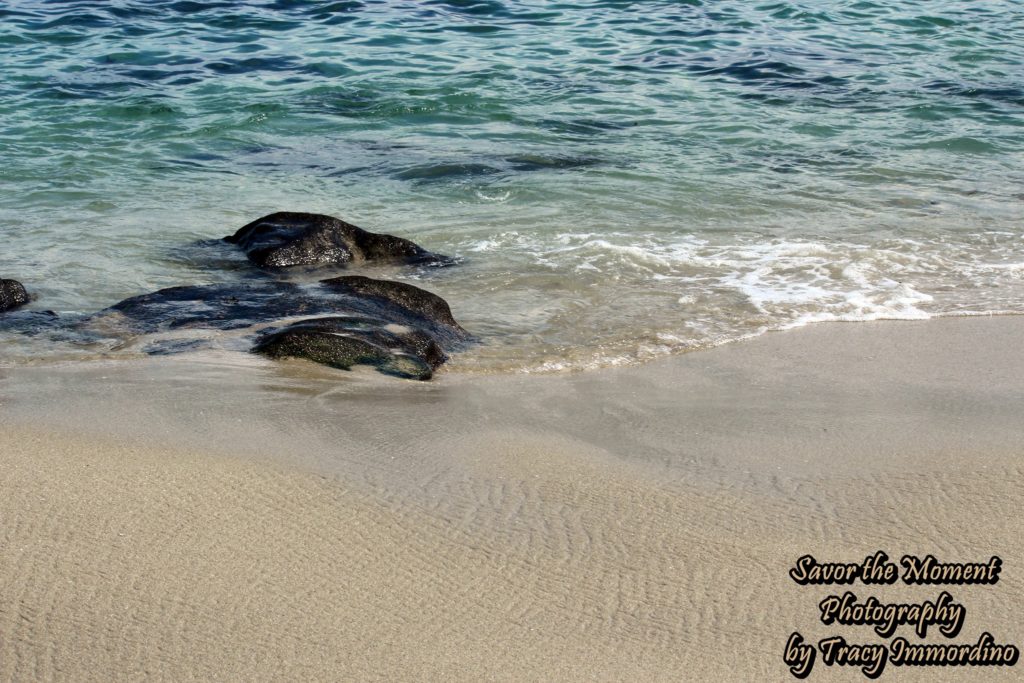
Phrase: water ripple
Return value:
(878, 130)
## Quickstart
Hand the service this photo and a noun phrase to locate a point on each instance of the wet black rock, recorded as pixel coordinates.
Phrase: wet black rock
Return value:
(36, 323)
(286, 239)
(342, 342)
(400, 329)
(12, 295)
(406, 303)
(220, 307)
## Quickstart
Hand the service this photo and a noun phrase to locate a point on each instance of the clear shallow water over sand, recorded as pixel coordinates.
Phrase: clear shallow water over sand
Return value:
(622, 180)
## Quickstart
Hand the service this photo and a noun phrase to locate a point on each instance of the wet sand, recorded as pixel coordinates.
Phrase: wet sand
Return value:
(230, 518)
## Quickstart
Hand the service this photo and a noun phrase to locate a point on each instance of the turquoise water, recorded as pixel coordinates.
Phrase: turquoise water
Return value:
(621, 179)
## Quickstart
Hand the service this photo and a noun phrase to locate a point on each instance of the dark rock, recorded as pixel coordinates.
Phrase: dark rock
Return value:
(32, 323)
(445, 172)
(343, 342)
(220, 307)
(418, 306)
(286, 239)
(345, 321)
(12, 295)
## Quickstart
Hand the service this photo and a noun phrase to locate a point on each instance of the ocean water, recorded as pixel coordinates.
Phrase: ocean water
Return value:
(620, 180)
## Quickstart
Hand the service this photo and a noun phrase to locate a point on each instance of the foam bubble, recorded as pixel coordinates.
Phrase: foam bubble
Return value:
(625, 297)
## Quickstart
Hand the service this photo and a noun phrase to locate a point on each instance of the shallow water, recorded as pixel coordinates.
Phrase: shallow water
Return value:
(621, 180)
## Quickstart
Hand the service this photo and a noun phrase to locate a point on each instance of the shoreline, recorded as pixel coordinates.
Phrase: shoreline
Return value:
(197, 519)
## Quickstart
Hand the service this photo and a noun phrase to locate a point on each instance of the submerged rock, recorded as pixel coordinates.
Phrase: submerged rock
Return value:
(400, 329)
(218, 307)
(36, 323)
(12, 295)
(286, 239)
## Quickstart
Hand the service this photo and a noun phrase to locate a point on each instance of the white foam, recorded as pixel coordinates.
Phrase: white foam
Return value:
(627, 297)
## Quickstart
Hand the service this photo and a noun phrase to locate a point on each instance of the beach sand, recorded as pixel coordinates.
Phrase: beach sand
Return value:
(223, 519)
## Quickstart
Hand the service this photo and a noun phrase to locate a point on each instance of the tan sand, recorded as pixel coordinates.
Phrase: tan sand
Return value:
(187, 520)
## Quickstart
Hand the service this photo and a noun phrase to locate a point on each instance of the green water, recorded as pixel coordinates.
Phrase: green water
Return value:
(621, 180)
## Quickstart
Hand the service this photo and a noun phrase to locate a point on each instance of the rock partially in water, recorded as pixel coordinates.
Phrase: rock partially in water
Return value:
(286, 239)
(35, 323)
(400, 329)
(416, 307)
(342, 342)
(12, 295)
(229, 306)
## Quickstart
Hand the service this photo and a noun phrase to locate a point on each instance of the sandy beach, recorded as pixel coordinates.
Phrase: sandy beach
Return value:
(467, 340)
(211, 518)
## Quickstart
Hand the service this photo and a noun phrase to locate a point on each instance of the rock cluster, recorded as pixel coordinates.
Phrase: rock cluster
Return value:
(400, 329)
